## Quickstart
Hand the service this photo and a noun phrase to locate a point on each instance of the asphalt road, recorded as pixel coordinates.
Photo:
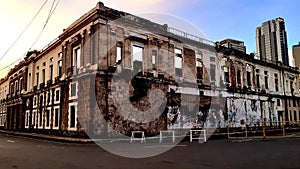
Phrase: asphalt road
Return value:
(26, 153)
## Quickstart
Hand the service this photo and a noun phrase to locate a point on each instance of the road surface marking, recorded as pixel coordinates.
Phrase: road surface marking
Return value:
(10, 141)
(164, 146)
(57, 147)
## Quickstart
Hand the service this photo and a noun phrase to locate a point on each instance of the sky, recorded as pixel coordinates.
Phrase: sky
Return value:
(212, 19)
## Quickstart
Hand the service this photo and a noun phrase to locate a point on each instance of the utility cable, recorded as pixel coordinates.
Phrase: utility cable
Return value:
(52, 9)
(23, 30)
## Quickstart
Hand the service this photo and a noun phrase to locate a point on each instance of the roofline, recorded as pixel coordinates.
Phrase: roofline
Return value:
(230, 39)
(82, 19)
(3, 80)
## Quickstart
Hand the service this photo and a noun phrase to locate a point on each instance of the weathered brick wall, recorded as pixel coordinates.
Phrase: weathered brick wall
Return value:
(127, 54)
(95, 51)
(189, 71)
(232, 74)
(206, 76)
(86, 51)
(125, 123)
(99, 111)
(191, 102)
(64, 109)
(83, 109)
(21, 117)
(103, 48)
(169, 61)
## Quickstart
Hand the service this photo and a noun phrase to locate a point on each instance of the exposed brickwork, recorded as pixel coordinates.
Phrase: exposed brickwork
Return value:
(116, 119)
(65, 109)
(99, 112)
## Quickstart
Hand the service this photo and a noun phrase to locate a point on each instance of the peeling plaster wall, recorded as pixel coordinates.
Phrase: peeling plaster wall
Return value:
(251, 111)
(221, 104)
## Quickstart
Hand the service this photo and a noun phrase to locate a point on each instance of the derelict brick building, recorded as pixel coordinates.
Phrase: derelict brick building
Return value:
(99, 75)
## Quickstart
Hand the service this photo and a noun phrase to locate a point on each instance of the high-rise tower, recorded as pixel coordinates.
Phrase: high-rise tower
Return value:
(271, 41)
(296, 54)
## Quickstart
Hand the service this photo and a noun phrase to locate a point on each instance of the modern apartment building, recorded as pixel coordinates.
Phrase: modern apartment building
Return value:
(296, 54)
(271, 41)
(235, 44)
(100, 76)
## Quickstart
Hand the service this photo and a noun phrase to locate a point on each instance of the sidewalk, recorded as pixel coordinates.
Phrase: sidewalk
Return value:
(48, 137)
(214, 136)
(55, 138)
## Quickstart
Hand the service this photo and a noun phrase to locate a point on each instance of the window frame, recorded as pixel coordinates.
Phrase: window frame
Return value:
(266, 78)
(134, 45)
(16, 86)
(154, 59)
(54, 117)
(59, 68)
(55, 96)
(248, 79)
(21, 84)
(257, 77)
(27, 117)
(178, 64)
(71, 91)
(119, 54)
(34, 101)
(37, 78)
(278, 103)
(34, 118)
(43, 76)
(40, 119)
(76, 60)
(69, 116)
(51, 72)
(48, 98)
(239, 77)
(276, 82)
(47, 119)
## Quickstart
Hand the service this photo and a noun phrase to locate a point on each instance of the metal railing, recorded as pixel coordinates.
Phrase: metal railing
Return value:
(190, 36)
(49, 44)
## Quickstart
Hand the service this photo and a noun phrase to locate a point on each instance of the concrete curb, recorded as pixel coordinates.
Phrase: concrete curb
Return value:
(49, 137)
(214, 136)
(84, 140)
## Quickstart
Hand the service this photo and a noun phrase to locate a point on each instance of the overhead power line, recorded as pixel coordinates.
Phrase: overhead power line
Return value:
(7, 66)
(24, 30)
(51, 11)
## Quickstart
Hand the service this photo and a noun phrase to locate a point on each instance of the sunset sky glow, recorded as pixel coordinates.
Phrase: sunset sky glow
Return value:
(215, 19)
